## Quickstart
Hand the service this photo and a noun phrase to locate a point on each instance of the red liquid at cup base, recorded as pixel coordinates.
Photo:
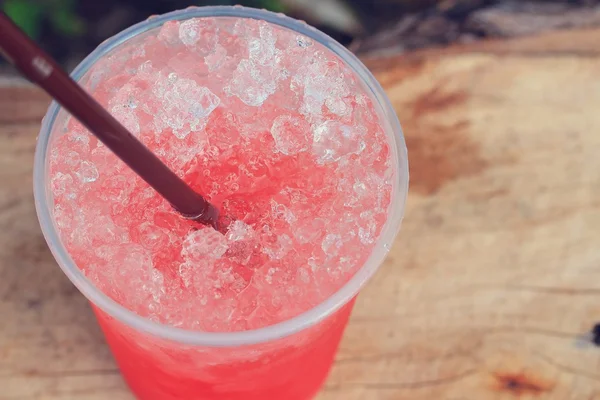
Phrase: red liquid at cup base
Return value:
(281, 135)
(293, 368)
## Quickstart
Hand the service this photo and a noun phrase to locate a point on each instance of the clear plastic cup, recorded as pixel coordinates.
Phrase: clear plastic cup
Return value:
(288, 360)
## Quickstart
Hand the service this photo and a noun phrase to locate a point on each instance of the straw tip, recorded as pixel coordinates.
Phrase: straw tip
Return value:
(210, 216)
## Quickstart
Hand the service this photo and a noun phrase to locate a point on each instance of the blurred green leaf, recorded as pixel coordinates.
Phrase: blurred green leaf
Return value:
(64, 19)
(26, 14)
(67, 22)
(271, 5)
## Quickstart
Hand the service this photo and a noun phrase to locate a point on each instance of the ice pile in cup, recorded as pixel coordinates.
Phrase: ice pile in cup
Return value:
(273, 128)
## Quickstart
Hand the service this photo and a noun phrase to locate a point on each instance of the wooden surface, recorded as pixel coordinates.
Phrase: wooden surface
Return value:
(491, 287)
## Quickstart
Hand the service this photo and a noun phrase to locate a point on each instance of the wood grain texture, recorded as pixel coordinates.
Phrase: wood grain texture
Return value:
(490, 288)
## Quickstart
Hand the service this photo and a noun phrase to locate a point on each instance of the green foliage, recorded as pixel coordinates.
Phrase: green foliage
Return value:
(271, 5)
(29, 15)
(26, 14)
(64, 19)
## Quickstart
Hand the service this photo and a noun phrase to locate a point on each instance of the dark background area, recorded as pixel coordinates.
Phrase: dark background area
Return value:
(70, 29)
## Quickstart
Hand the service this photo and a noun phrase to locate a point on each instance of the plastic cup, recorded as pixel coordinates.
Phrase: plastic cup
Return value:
(289, 360)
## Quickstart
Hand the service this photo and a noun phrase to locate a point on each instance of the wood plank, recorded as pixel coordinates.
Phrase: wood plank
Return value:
(490, 288)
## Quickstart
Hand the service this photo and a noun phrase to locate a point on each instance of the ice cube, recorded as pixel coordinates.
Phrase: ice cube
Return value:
(227, 278)
(331, 244)
(152, 237)
(360, 188)
(338, 106)
(224, 276)
(292, 134)
(204, 243)
(248, 303)
(256, 78)
(278, 248)
(223, 130)
(262, 50)
(252, 83)
(242, 242)
(309, 230)
(199, 34)
(239, 230)
(321, 82)
(357, 191)
(202, 100)
(280, 211)
(63, 217)
(215, 60)
(366, 232)
(247, 28)
(189, 32)
(62, 184)
(186, 272)
(87, 172)
(103, 230)
(196, 274)
(79, 140)
(332, 140)
(184, 105)
(169, 33)
(347, 264)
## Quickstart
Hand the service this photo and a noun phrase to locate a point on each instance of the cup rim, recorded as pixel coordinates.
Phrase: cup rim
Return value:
(226, 339)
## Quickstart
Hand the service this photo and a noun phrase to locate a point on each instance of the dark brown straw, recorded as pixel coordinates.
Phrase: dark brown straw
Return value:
(36, 65)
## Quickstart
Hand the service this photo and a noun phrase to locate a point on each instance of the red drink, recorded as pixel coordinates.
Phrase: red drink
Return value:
(280, 133)
(292, 368)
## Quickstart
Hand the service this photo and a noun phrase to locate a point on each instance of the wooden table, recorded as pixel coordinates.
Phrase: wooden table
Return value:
(491, 287)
